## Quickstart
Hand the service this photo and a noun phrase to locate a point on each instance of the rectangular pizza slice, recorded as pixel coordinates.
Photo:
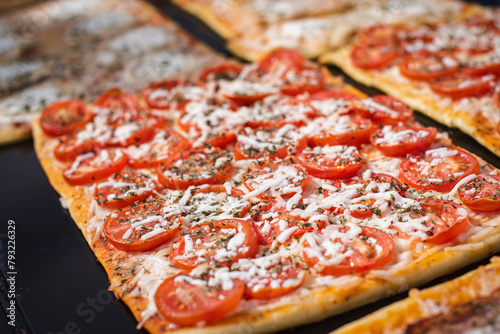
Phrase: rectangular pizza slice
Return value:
(263, 196)
(314, 35)
(468, 304)
(231, 18)
(448, 71)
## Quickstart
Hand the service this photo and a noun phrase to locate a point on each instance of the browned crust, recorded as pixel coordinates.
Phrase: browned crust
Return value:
(322, 302)
(476, 125)
(205, 12)
(398, 315)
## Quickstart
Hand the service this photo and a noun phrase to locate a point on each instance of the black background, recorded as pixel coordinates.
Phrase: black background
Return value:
(60, 286)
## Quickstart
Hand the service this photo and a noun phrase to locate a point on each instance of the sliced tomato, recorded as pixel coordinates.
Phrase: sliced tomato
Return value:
(383, 109)
(188, 304)
(462, 85)
(215, 201)
(281, 58)
(170, 93)
(195, 167)
(356, 249)
(402, 139)
(226, 72)
(245, 100)
(141, 227)
(442, 221)
(275, 179)
(221, 243)
(285, 227)
(481, 193)
(137, 137)
(333, 94)
(64, 117)
(115, 100)
(331, 162)
(363, 204)
(124, 188)
(380, 34)
(421, 35)
(425, 65)
(308, 79)
(95, 166)
(277, 277)
(222, 140)
(351, 130)
(71, 147)
(134, 129)
(438, 169)
(163, 146)
(216, 125)
(373, 56)
(273, 143)
(482, 68)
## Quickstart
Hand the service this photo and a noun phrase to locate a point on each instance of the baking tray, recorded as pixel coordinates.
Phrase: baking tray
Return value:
(59, 285)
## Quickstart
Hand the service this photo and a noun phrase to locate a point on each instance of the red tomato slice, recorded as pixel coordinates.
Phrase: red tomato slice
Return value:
(71, 147)
(64, 117)
(188, 304)
(380, 34)
(350, 130)
(277, 277)
(402, 139)
(443, 220)
(362, 205)
(481, 193)
(275, 179)
(221, 140)
(276, 115)
(438, 169)
(115, 100)
(285, 227)
(425, 65)
(134, 129)
(244, 100)
(141, 227)
(195, 167)
(333, 94)
(281, 57)
(384, 109)
(164, 145)
(372, 56)
(327, 102)
(219, 72)
(308, 79)
(331, 162)
(221, 242)
(215, 200)
(462, 85)
(357, 249)
(93, 167)
(213, 124)
(273, 143)
(171, 93)
(124, 188)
